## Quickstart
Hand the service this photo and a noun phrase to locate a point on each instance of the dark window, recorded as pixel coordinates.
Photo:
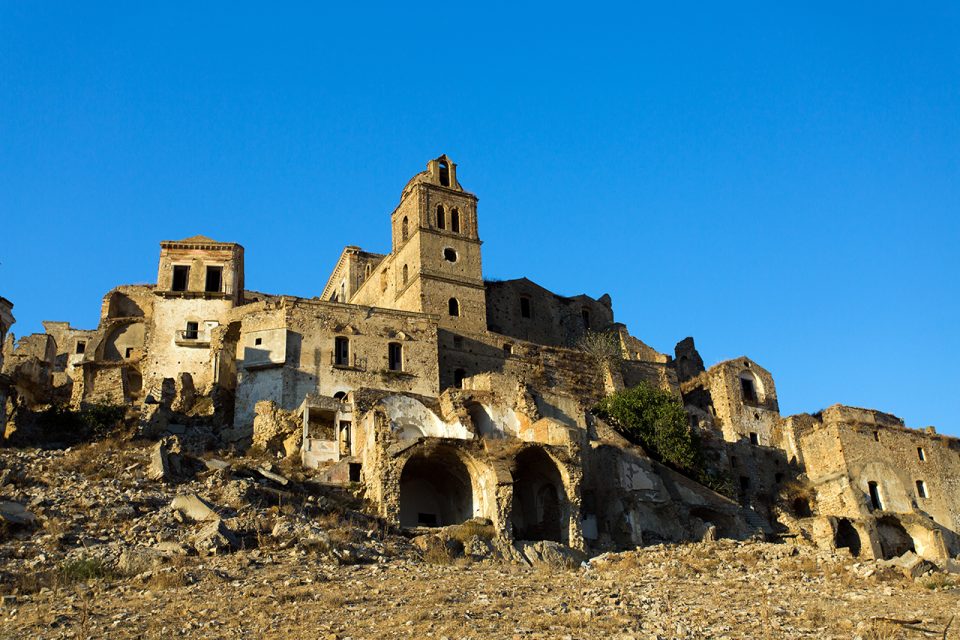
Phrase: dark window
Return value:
(441, 219)
(744, 483)
(354, 470)
(449, 255)
(193, 328)
(341, 351)
(876, 436)
(340, 395)
(444, 174)
(427, 519)
(457, 342)
(778, 478)
(508, 349)
(129, 352)
(920, 454)
(875, 500)
(733, 461)
(214, 280)
(458, 377)
(749, 390)
(525, 307)
(403, 228)
(181, 275)
(455, 221)
(405, 272)
(585, 314)
(921, 489)
(453, 307)
(258, 341)
(754, 438)
(81, 346)
(395, 356)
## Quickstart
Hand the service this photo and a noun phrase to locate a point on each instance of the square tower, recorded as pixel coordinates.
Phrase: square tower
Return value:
(436, 250)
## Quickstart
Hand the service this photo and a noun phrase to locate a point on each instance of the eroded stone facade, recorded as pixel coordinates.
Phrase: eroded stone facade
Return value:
(449, 397)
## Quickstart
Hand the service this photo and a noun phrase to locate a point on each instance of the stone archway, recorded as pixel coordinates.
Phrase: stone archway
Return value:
(894, 539)
(846, 536)
(540, 510)
(436, 490)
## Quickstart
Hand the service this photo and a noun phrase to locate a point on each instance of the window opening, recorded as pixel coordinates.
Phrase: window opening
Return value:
(921, 489)
(920, 454)
(458, 377)
(754, 438)
(81, 346)
(341, 351)
(453, 307)
(403, 229)
(875, 500)
(585, 314)
(441, 219)
(455, 220)
(749, 390)
(450, 255)
(214, 280)
(181, 275)
(405, 272)
(395, 356)
(444, 174)
(525, 307)
(193, 328)
(129, 353)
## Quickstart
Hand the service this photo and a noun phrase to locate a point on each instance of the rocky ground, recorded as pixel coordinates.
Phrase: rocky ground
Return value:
(103, 550)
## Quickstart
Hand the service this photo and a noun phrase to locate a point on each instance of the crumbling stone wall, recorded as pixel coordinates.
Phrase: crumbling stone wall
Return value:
(545, 318)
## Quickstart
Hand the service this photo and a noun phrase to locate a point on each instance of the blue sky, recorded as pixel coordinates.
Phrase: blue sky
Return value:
(780, 182)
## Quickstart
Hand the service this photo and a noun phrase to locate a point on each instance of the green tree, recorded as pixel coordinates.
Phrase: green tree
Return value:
(655, 419)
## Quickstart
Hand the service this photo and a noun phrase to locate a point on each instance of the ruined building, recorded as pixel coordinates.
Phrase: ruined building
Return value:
(449, 397)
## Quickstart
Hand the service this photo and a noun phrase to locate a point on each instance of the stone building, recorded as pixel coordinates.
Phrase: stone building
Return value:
(448, 396)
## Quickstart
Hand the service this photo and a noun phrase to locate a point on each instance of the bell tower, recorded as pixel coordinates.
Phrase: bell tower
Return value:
(436, 248)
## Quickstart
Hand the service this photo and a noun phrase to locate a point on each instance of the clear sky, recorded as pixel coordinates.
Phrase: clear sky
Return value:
(778, 181)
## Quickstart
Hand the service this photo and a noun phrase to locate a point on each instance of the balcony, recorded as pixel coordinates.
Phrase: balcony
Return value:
(351, 362)
(192, 338)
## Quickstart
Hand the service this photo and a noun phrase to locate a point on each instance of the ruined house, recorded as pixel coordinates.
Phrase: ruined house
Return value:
(449, 397)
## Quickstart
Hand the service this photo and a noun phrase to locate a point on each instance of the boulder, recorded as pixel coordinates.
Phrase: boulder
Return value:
(16, 514)
(912, 565)
(550, 554)
(137, 560)
(191, 506)
(214, 537)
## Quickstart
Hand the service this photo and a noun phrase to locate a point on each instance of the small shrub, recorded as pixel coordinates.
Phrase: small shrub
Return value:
(84, 569)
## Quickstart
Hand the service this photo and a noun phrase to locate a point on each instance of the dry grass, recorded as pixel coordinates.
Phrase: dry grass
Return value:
(884, 630)
(169, 579)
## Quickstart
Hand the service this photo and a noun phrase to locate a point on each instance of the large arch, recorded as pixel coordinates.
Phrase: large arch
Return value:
(846, 537)
(540, 509)
(894, 539)
(122, 340)
(436, 489)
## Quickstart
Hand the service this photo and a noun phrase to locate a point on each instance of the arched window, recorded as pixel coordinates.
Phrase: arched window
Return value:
(366, 271)
(340, 395)
(455, 220)
(441, 218)
(395, 356)
(404, 274)
(341, 351)
(458, 377)
(403, 229)
(444, 174)
(453, 307)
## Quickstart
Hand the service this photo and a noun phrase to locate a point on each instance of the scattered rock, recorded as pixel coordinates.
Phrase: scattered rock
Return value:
(193, 507)
(16, 514)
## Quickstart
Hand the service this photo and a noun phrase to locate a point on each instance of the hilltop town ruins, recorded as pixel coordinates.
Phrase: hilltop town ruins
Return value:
(449, 397)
